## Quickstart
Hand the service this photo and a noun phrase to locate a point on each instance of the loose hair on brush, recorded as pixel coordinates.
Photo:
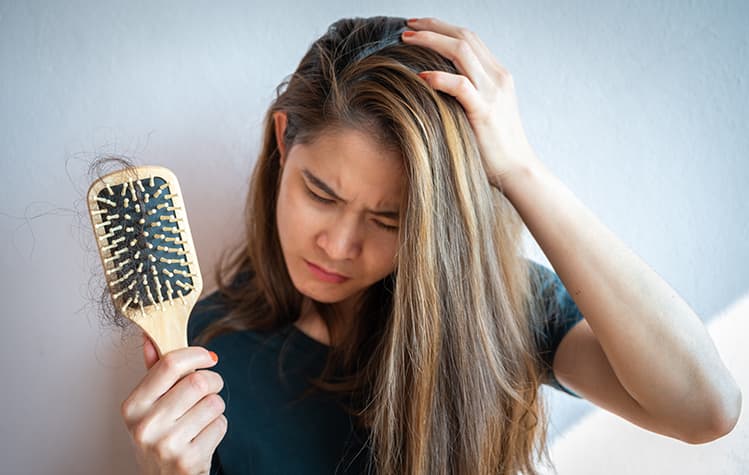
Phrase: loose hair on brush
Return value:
(441, 364)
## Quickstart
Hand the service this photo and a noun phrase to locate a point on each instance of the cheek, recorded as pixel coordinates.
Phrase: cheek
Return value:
(283, 217)
(382, 256)
(295, 219)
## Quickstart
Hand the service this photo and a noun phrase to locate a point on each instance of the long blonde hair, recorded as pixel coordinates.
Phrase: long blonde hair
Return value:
(442, 366)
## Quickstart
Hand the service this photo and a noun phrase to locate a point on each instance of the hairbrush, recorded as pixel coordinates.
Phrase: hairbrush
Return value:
(144, 241)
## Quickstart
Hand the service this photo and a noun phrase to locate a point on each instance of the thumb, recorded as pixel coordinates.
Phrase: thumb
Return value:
(150, 355)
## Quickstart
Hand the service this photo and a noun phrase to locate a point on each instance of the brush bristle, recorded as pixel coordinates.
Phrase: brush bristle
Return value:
(146, 259)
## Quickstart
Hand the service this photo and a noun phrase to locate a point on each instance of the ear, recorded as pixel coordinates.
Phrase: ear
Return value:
(279, 118)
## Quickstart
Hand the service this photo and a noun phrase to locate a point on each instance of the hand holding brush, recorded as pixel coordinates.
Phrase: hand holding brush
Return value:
(174, 414)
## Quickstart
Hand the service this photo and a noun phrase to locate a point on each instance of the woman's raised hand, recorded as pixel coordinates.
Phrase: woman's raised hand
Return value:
(175, 415)
(484, 88)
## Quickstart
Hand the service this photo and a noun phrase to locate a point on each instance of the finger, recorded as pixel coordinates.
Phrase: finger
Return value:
(486, 57)
(179, 400)
(206, 442)
(456, 50)
(457, 86)
(162, 376)
(435, 24)
(150, 355)
(197, 418)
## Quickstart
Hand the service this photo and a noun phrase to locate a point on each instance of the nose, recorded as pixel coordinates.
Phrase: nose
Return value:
(342, 238)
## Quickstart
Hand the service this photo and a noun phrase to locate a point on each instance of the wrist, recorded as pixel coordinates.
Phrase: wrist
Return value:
(515, 177)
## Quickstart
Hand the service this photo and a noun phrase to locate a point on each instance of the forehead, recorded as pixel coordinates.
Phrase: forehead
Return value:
(355, 165)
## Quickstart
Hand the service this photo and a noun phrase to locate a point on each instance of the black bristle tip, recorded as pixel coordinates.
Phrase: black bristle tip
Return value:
(152, 228)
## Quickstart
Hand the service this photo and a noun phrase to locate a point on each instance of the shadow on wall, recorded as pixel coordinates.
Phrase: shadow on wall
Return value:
(605, 443)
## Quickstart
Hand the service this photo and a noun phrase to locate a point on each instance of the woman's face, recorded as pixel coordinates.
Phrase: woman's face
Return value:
(337, 211)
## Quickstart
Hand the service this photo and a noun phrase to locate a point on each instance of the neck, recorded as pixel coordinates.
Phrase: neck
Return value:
(312, 324)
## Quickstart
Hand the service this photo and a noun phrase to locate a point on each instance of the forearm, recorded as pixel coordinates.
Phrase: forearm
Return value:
(655, 343)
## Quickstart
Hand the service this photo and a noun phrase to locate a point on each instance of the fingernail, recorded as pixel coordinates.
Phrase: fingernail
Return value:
(423, 74)
(408, 34)
(411, 20)
(214, 356)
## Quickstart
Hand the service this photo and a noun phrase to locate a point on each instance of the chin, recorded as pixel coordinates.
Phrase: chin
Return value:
(321, 298)
(320, 291)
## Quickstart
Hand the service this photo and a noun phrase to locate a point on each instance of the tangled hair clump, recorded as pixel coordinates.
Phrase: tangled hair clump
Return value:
(100, 166)
(452, 326)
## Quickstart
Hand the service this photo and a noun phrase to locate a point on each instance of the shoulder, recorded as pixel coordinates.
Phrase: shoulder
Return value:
(548, 287)
(211, 307)
(555, 315)
(551, 296)
(207, 310)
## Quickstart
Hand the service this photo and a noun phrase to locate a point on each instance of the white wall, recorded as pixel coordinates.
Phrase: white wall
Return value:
(638, 106)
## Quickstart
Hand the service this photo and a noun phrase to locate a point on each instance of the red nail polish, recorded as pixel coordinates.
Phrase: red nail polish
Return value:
(408, 34)
(412, 20)
(214, 356)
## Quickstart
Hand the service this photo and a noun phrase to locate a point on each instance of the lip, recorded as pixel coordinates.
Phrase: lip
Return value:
(325, 275)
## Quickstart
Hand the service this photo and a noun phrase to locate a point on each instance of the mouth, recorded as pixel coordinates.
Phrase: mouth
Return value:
(325, 274)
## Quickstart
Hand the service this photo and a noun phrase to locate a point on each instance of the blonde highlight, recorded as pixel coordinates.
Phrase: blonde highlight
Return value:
(442, 366)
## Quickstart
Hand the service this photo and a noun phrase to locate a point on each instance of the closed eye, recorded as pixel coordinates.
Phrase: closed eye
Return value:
(387, 227)
(319, 198)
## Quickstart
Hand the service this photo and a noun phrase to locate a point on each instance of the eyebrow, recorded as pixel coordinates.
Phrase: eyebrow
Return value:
(327, 189)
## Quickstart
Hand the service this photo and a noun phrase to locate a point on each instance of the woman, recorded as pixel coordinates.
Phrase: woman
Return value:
(383, 266)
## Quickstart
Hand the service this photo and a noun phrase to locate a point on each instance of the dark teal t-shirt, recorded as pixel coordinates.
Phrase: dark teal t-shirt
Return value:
(271, 432)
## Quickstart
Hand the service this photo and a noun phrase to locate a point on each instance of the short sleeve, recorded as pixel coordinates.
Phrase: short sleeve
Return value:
(558, 314)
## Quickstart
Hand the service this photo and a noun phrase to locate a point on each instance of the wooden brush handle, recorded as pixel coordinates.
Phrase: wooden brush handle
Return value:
(167, 328)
